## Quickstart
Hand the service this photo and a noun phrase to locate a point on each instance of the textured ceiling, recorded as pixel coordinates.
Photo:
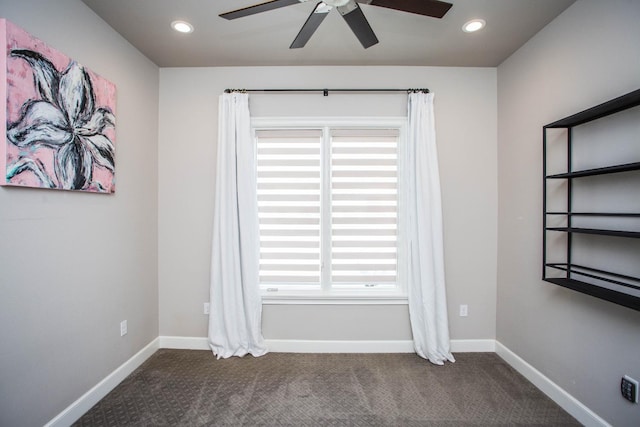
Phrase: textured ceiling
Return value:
(264, 39)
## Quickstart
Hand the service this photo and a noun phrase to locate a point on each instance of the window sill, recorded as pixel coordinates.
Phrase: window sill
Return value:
(333, 299)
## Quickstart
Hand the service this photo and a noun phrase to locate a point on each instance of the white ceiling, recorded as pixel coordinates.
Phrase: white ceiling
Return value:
(264, 39)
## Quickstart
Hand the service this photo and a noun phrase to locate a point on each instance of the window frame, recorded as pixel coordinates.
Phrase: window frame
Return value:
(326, 294)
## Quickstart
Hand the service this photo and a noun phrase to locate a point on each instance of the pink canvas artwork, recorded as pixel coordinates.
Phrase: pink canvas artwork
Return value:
(59, 120)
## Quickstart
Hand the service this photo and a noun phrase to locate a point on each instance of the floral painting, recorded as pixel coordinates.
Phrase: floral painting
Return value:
(59, 119)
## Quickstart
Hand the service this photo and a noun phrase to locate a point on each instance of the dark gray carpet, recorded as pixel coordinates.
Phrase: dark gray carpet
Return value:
(192, 388)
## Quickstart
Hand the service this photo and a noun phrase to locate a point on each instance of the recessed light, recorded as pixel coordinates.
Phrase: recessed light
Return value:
(474, 25)
(182, 26)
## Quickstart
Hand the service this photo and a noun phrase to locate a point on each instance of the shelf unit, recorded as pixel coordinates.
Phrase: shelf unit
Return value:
(614, 286)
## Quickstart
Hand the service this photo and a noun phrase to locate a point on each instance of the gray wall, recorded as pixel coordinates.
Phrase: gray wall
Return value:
(586, 56)
(467, 133)
(73, 265)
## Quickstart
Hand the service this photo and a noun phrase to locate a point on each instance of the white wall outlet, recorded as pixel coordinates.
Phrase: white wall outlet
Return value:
(464, 310)
(123, 328)
(206, 308)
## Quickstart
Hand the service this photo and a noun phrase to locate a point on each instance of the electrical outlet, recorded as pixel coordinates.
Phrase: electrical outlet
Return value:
(123, 328)
(464, 310)
(629, 389)
(206, 308)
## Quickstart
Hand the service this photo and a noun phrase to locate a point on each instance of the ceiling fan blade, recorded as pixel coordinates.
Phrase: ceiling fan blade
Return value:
(352, 13)
(313, 22)
(433, 8)
(258, 8)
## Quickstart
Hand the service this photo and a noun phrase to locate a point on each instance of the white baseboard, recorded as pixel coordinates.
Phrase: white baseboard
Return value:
(338, 346)
(184, 343)
(78, 408)
(333, 346)
(566, 401)
(473, 346)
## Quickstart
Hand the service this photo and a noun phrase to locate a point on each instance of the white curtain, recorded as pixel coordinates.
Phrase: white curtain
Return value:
(236, 307)
(422, 227)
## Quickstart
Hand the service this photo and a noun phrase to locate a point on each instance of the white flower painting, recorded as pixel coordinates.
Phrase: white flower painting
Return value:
(60, 121)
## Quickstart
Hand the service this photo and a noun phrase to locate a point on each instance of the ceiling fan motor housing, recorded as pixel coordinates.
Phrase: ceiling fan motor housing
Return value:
(336, 3)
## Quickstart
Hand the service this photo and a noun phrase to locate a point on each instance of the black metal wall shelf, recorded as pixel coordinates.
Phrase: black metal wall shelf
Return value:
(623, 289)
(620, 298)
(628, 167)
(605, 276)
(613, 106)
(597, 231)
(603, 214)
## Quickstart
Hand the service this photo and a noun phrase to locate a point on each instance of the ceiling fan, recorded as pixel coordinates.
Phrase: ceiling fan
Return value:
(349, 10)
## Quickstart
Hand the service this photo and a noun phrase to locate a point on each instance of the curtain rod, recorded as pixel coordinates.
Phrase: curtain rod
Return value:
(325, 91)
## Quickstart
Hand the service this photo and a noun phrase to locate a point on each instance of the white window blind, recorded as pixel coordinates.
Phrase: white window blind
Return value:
(328, 208)
(288, 188)
(364, 206)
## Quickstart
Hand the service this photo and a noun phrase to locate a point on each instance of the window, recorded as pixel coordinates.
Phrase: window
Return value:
(328, 209)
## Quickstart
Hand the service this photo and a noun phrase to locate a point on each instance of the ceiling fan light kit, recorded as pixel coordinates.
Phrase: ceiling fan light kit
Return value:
(335, 3)
(350, 12)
